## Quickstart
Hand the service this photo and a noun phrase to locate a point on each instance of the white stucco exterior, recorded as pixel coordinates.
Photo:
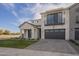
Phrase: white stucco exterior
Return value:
(64, 26)
(73, 13)
(24, 30)
(69, 15)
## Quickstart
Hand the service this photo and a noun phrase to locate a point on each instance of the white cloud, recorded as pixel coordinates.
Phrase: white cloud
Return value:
(15, 14)
(20, 21)
(43, 7)
(35, 10)
(23, 20)
(11, 7)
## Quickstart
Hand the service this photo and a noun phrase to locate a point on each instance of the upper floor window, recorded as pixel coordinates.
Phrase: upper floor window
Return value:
(35, 21)
(77, 9)
(77, 19)
(55, 18)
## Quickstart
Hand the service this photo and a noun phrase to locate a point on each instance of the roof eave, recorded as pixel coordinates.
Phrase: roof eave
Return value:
(60, 8)
(53, 10)
(72, 6)
(28, 23)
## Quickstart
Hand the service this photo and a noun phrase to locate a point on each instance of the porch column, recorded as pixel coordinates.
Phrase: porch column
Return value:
(22, 33)
(67, 34)
(26, 33)
(32, 33)
(42, 34)
(67, 26)
(72, 34)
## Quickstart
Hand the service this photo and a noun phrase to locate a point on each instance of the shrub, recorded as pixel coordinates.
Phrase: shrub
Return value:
(73, 41)
(1, 32)
(6, 32)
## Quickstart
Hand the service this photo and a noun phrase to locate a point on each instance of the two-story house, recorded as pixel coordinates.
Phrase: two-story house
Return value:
(61, 23)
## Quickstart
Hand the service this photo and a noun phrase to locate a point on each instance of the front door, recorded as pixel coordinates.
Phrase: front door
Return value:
(39, 35)
(29, 33)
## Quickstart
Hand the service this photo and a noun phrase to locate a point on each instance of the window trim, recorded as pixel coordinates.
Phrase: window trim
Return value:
(77, 21)
(47, 24)
(55, 30)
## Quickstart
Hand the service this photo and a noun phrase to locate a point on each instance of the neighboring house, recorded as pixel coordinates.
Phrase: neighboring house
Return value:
(31, 29)
(61, 23)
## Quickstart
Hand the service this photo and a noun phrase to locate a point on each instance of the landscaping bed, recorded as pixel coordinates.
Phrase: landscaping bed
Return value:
(75, 45)
(16, 43)
(75, 42)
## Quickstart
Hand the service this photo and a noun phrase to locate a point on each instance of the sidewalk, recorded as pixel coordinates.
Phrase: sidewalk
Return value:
(26, 52)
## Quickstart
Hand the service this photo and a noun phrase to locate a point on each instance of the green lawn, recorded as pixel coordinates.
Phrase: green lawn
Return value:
(16, 43)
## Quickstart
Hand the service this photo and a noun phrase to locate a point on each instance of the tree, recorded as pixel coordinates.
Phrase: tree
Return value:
(7, 32)
(1, 31)
(17, 33)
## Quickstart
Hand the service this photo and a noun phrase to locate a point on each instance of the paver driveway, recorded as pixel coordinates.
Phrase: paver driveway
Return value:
(53, 45)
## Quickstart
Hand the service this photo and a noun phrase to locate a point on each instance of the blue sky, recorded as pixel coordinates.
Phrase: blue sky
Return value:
(12, 15)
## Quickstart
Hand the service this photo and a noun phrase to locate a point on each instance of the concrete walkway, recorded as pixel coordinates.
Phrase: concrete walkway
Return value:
(26, 52)
(53, 45)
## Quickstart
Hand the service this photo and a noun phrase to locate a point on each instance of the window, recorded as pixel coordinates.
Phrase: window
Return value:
(77, 9)
(50, 19)
(77, 19)
(62, 30)
(56, 30)
(32, 21)
(37, 21)
(53, 19)
(60, 18)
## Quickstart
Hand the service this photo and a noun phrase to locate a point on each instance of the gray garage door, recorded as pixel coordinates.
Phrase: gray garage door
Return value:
(54, 34)
(77, 33)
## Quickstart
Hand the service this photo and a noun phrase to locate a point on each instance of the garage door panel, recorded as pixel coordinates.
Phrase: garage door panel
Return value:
(54, 34)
